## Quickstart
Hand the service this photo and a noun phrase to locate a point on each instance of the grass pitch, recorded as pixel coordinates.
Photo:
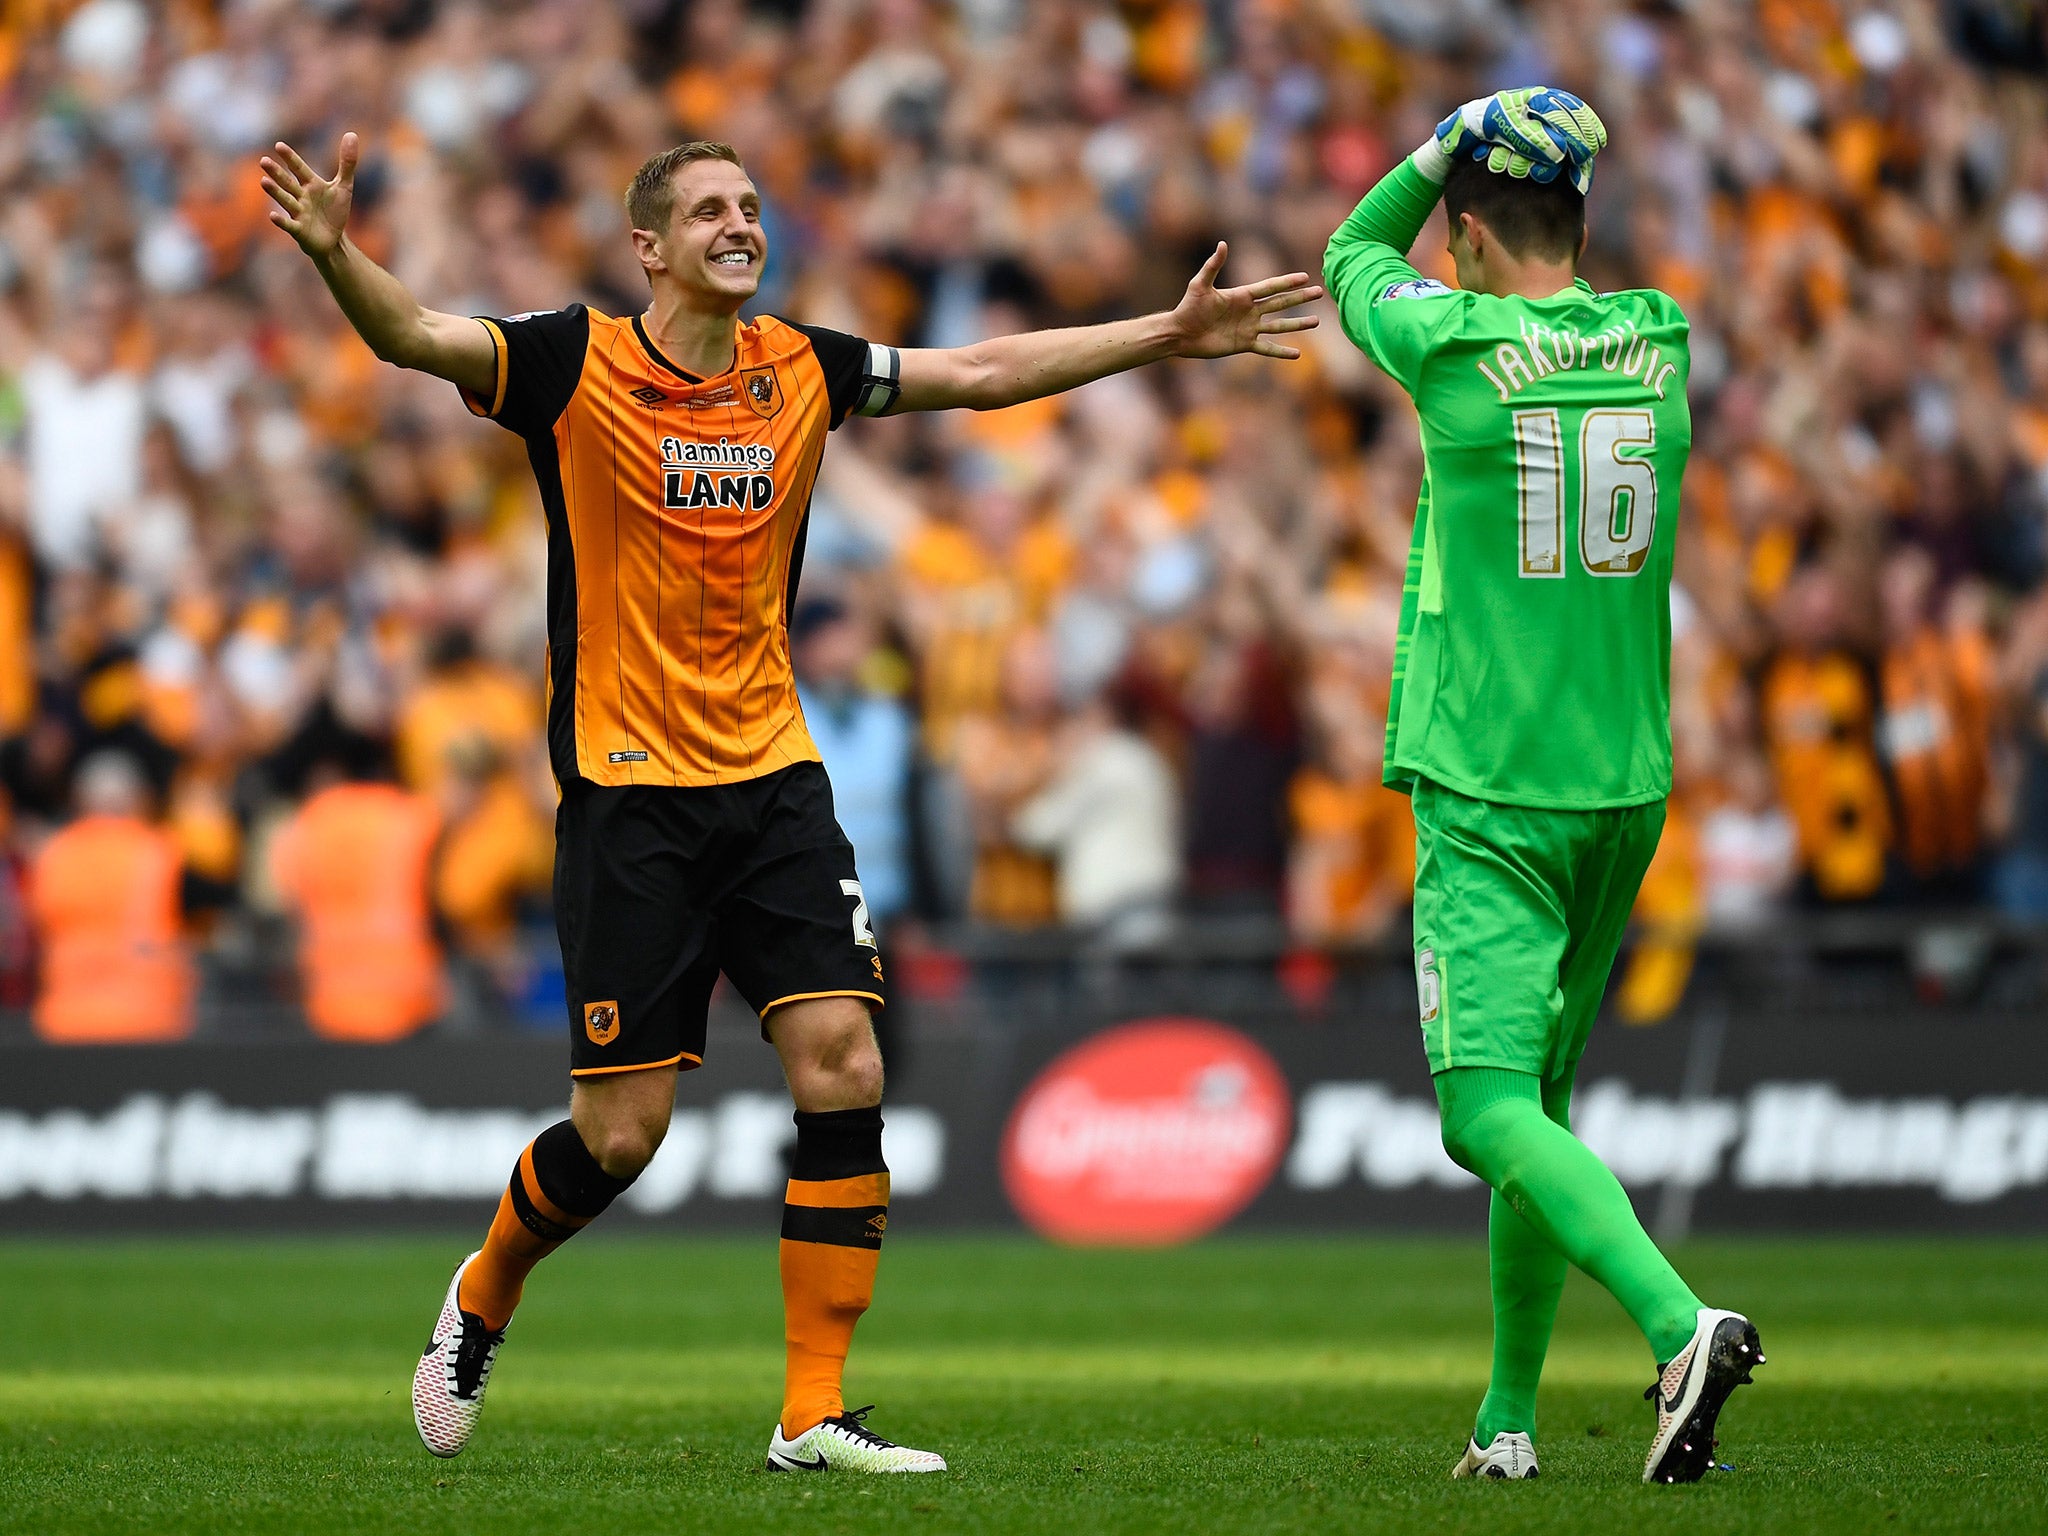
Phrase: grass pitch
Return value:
(1241, 1386)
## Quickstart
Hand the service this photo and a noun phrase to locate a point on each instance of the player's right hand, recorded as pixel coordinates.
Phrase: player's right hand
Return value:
(311, 209)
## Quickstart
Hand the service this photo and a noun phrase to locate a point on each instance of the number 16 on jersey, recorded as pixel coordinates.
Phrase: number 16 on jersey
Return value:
(1617, 493)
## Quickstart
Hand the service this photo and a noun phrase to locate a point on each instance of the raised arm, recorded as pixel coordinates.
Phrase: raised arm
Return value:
(1367, 267)
(314, 212)
(1372, 245)
(1208, 322)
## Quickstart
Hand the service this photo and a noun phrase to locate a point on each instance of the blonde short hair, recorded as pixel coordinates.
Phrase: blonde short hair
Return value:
(651, 199)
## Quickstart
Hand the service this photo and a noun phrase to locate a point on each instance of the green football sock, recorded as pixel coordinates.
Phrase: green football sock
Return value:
(1494, 1125)
(1528, 1279)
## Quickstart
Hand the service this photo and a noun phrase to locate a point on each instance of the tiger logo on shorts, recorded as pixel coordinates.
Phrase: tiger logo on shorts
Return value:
(601, 1022)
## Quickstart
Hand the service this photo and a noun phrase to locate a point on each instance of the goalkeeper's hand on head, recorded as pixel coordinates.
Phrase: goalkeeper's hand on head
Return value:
(1537, 131)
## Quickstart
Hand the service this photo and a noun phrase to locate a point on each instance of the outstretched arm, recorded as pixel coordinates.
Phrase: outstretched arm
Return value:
(314, 212)
(1208, 322)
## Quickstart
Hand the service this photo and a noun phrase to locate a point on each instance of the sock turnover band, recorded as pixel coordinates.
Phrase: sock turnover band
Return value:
(838, 1144)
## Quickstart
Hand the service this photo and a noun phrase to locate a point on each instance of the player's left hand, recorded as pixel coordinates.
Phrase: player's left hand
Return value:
(1537, 131)
(1221, 322)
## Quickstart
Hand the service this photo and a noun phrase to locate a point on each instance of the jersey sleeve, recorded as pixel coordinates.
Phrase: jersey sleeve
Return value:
(862, 378)
(1390, 310)
(540, 358)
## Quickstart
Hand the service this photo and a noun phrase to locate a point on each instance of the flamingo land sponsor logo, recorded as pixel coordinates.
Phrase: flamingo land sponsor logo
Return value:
(1149, 1133)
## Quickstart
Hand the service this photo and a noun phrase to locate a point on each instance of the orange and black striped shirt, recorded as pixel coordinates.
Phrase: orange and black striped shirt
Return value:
(676, 510)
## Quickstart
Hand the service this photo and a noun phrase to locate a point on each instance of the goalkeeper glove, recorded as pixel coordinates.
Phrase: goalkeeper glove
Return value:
(1538, 131)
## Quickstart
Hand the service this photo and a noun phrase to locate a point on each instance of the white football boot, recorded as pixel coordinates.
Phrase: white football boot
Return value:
(1689, 1393)
(448, 1387)
(845, 1444)
(1512, 1455)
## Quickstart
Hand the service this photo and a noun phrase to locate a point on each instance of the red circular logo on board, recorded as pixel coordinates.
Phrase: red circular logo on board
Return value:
(1149, 1133)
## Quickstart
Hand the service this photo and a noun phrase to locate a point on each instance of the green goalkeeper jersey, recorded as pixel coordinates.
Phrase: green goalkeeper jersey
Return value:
(1534, 660)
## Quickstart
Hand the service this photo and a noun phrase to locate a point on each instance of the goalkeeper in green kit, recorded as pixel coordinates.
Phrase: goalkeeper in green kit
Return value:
(1530, 713)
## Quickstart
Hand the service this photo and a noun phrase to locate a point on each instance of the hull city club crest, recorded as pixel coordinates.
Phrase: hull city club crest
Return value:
(601, 1022)
(761, 390)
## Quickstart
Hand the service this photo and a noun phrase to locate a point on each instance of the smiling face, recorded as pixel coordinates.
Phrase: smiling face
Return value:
(713, 248)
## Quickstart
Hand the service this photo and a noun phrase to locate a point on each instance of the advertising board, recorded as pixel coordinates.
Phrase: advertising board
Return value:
(1102, 1130)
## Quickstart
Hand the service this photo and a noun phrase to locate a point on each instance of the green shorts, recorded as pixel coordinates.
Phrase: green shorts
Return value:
(1519, 914)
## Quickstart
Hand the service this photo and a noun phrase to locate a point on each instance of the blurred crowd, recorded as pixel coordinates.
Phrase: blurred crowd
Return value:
(270, 612)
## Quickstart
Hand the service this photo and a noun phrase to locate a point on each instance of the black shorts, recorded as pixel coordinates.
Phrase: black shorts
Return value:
(659, 889)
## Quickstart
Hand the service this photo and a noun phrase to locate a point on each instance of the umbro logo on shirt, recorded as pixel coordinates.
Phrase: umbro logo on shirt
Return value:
(703, 400)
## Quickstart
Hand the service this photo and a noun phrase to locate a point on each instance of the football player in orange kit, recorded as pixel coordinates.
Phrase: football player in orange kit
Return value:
(676, 451)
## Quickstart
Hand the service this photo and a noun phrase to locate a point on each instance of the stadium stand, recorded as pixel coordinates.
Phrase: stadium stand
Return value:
(235, 551)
